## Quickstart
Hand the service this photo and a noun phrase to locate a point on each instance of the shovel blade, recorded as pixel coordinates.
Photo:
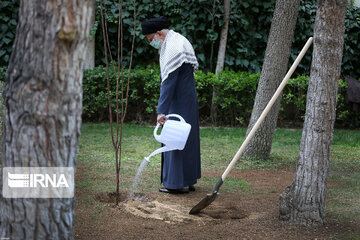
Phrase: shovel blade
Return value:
(203, 203)
(208, 199)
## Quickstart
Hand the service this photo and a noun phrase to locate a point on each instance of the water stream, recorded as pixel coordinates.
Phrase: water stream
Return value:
(136, 179)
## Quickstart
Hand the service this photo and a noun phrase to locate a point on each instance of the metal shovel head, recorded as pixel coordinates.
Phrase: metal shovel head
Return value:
(206, 201)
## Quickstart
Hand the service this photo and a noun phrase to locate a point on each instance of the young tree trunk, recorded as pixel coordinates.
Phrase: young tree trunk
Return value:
(212, 13)
(303, 202)
(42, 115)
(273, 70)
(223, 38)
(221, 57)
(90, 50)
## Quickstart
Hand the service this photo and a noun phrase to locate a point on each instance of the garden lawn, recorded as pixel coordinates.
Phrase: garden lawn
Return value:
(96, 164)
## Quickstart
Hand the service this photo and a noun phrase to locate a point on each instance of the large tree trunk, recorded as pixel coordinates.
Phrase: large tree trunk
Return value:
(273, 70)
(42, 115)
(303, 202)
(221, 57)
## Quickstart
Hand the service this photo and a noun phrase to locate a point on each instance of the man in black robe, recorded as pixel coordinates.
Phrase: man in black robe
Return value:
(180, 169)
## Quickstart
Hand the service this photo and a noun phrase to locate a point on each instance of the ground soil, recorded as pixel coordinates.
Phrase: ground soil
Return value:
(231, 216)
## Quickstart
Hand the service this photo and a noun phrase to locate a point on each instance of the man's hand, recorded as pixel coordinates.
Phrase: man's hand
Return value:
(161, 118)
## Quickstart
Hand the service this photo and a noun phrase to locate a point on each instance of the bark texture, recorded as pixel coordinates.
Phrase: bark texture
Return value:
(303, 202)
(90, 50)
(273, 71)
(220, 58)
(223, 37)
(42, 110)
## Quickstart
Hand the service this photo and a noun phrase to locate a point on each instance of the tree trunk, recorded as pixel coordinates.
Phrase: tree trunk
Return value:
(212, 13)
(90, 49)
(42, 112)
(220, 58)
(223, 38)
(303, 202)
(273, 70)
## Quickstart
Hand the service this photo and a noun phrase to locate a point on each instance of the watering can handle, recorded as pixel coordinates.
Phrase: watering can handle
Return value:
(177, 116)
(156, 136)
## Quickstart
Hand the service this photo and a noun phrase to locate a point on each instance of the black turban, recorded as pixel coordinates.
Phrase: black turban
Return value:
(154, 24)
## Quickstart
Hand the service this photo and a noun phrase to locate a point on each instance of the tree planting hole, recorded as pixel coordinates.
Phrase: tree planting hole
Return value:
(226, 213)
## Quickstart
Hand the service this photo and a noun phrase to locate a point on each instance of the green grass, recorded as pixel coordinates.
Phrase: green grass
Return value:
(218, 146)
(344, 199)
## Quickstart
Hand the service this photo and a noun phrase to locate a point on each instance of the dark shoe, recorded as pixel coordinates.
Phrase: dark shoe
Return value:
(174, 191)
(191, 188)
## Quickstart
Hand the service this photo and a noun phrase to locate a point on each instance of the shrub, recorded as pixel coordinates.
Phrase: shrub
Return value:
(235, 97)
(143, 93)
(293, 106)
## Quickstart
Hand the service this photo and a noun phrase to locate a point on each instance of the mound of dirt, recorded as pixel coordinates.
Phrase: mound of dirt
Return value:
(165, 212)
(142, 206)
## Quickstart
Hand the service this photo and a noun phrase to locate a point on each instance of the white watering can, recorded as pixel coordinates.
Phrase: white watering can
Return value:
(174, 135)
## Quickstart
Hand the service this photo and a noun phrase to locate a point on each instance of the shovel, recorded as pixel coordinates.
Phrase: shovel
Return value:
(212, 196)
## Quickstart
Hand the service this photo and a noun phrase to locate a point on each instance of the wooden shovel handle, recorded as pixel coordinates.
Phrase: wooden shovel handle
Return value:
(267, 108)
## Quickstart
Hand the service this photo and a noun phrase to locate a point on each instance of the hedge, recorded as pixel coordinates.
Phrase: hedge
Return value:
(235, 97)
(143, 94)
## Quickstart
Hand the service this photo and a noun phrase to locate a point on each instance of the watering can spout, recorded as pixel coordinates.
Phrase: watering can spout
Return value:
(160, 150)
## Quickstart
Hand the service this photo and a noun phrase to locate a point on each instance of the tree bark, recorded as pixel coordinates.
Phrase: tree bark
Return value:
(90, 49)
(221, 57)
(42, 112)
(223, 38)
(273, 70)
(303, 202)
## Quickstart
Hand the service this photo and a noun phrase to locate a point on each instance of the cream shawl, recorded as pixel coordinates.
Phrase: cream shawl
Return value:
(175, 51)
